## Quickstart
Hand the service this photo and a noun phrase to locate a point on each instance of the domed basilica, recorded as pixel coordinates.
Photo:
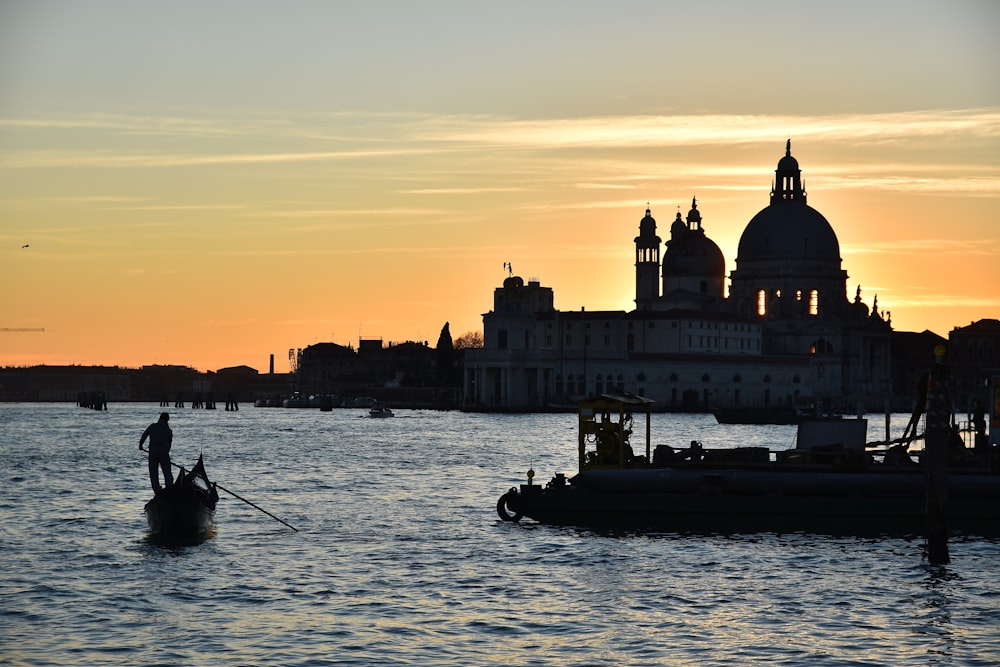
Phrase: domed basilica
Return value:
(787, 334)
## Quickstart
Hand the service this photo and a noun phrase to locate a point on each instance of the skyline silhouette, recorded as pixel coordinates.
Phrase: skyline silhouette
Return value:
(211, 185)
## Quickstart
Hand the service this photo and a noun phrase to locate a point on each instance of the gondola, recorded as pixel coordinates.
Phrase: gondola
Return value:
(184, 510)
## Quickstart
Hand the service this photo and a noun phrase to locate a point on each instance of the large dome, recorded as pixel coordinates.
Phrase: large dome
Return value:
(788, 230)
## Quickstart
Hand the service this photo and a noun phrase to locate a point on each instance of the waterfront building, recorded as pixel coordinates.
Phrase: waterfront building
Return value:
(786, 334)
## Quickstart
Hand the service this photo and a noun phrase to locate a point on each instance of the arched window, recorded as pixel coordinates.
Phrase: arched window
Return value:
(796, 380)
(737, 378)
(814, 302)
(761, 302)
(820, 346)
(706, 378)
(673, 377)
(641, 377)
(767, 379)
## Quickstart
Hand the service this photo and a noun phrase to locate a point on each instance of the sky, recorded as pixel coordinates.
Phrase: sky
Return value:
(209, 184)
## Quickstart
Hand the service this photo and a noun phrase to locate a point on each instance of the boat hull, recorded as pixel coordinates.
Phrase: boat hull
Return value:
(179, 518)
(741, 500)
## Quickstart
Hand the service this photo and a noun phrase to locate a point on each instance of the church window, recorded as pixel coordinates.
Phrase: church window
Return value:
(796, 380)
(761, 302)
(630, 342)
(777, 293)
(767, 379)
(502, 339)
(706, 378)
(600, 385)
(673, 377)
(704, 287)
(814, 302)
(798, 295)
(607, 339)
(641, 377)
(821, 346)
(737, 378)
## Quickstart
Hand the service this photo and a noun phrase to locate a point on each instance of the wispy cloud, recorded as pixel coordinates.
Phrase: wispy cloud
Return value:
(920, 247)
(459, 191)
(50, 159)
(940, 301)
(361, 136)
(690, 130)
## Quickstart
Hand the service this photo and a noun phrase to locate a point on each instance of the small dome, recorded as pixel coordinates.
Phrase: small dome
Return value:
(648, 224)
(694, 215)
(513, 282)
(694, 254)
(788, 163)
(678, 229)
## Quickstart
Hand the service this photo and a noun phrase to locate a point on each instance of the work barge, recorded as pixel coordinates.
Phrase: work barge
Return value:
(832, 480)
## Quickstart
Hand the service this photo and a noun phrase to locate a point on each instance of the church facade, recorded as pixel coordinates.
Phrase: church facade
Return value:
(787, 333)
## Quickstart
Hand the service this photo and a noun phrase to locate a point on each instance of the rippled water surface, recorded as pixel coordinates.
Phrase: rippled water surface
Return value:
(400, 558)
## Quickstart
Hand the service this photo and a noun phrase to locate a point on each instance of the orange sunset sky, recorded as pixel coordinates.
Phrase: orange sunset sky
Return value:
(210, 183)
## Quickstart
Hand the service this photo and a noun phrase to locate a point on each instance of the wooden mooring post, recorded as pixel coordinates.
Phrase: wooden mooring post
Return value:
(936, 444)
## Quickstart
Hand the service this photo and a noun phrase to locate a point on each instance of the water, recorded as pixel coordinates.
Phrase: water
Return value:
(400, 558)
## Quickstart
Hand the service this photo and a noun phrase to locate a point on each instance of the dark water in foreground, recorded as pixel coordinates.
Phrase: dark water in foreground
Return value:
(401, 559)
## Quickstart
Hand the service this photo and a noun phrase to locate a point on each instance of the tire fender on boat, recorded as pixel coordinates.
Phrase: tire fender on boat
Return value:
(509, 501)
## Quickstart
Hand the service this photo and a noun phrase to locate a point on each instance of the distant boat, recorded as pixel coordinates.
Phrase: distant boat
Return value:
(185, 509)
(762, 415)
(379, 411)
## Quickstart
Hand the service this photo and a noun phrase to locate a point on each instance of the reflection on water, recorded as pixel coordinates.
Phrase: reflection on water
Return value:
(401, 559)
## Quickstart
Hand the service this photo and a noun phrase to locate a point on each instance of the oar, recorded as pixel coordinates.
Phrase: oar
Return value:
(238, 497)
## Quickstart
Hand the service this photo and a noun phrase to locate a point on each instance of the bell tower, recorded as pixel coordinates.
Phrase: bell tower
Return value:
(647, 264)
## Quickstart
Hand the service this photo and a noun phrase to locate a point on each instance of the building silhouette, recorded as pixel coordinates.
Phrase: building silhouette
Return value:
(787, 333)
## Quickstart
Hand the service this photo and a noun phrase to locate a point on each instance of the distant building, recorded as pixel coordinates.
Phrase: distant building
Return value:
(974, 357)
(786, 334)
(400, 373)
(912, 358)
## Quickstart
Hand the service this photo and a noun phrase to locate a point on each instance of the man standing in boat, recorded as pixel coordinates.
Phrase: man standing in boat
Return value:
(160, 438)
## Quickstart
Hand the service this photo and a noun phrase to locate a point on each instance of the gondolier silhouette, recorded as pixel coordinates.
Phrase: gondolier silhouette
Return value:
(160, 438)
